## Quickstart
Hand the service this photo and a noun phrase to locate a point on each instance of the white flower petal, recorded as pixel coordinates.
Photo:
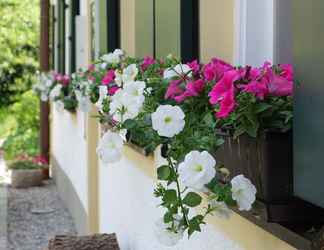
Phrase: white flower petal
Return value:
(195, 172)
(243, 192)
(168, 120)
(110, 147)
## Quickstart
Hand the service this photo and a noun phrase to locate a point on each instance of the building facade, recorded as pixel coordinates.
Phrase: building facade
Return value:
(238, 31)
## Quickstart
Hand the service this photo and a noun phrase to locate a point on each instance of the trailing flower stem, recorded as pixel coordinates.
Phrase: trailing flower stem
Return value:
(179, 191)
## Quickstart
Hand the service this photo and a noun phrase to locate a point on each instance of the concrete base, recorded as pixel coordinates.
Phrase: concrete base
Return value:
(70, 198)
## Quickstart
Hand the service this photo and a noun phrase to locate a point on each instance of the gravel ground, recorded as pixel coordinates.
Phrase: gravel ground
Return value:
(34, 216)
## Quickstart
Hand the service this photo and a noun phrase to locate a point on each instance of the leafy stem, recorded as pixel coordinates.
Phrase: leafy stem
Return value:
(179, 191)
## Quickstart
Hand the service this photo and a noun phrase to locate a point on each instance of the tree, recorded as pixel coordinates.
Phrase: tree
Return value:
(19, 39)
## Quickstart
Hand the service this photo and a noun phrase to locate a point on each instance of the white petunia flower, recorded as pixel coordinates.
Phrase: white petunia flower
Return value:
(59, 105)
(113, 58)
(130, 73)
(178, 70)
(168, 120)
(243, 192)
(110, 147)
(123, 106)
(220, 209)
(136, 89)
(119, 52)
(103, 92)
(165, 236)
(55, 92)
(197, 170)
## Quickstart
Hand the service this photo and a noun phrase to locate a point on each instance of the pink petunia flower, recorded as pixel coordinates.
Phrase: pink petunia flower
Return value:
(258, 88)
(65, 80)
(112, 90)
(227, 105)
(287, 71)
(173, 89)
(109, 77)
(223, 93)
(279, 86)
(215, 70)
(91, 67)
(195, 67)
(223, 86)
(147, 62)
(194, 88)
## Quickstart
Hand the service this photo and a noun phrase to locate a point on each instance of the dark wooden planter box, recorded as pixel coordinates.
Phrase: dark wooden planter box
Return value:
(267, 161)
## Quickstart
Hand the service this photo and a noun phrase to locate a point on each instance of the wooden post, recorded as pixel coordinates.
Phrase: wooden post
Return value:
(44, 67)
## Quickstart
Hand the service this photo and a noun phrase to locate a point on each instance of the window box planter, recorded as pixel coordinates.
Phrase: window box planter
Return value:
(267, 161)
(24, 178)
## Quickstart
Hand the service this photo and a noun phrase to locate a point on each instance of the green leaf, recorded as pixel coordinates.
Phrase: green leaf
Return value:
(168, 217)
(194, 224)
(192, 199)
(164, 172)
(129, 124)
(239, 131)
(170, 197)
(262, 107)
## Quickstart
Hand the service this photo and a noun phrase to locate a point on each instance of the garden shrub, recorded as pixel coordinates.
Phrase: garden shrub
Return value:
(24, 137)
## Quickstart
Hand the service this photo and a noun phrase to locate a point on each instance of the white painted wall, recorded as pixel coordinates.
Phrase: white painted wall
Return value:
(263, 32)
(70, 150)
(254, 22)
(129, 208)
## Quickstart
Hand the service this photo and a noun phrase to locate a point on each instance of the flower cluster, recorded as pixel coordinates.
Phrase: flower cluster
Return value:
(44, 85)
(179, 107)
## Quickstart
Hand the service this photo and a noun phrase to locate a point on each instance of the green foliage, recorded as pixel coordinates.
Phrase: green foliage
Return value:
(253, 116)
(24, 165)
(19, 35)
(7, 122)
(23, 138)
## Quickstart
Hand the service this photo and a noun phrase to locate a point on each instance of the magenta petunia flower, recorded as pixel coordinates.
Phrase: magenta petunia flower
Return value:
(279, 86)
(113, 90)
(65, 80)
(223, 86)
(194, 88)
(109, 77)
(173, 89)
(215, 70)
(258, 88)
(287, 71)
(227, 104)
(195, 67)
(147, 62)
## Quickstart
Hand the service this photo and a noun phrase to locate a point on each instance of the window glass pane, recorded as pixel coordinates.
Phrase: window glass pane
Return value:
(167, 19)
(127, 26)
(144, 37)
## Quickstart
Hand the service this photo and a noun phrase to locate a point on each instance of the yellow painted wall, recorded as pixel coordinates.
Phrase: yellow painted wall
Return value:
(216, 29)
(127, 26)
(240, 230)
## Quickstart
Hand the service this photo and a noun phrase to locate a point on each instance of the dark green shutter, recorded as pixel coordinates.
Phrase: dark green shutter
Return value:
(61, 36)
(113, 25)
(75, 11)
